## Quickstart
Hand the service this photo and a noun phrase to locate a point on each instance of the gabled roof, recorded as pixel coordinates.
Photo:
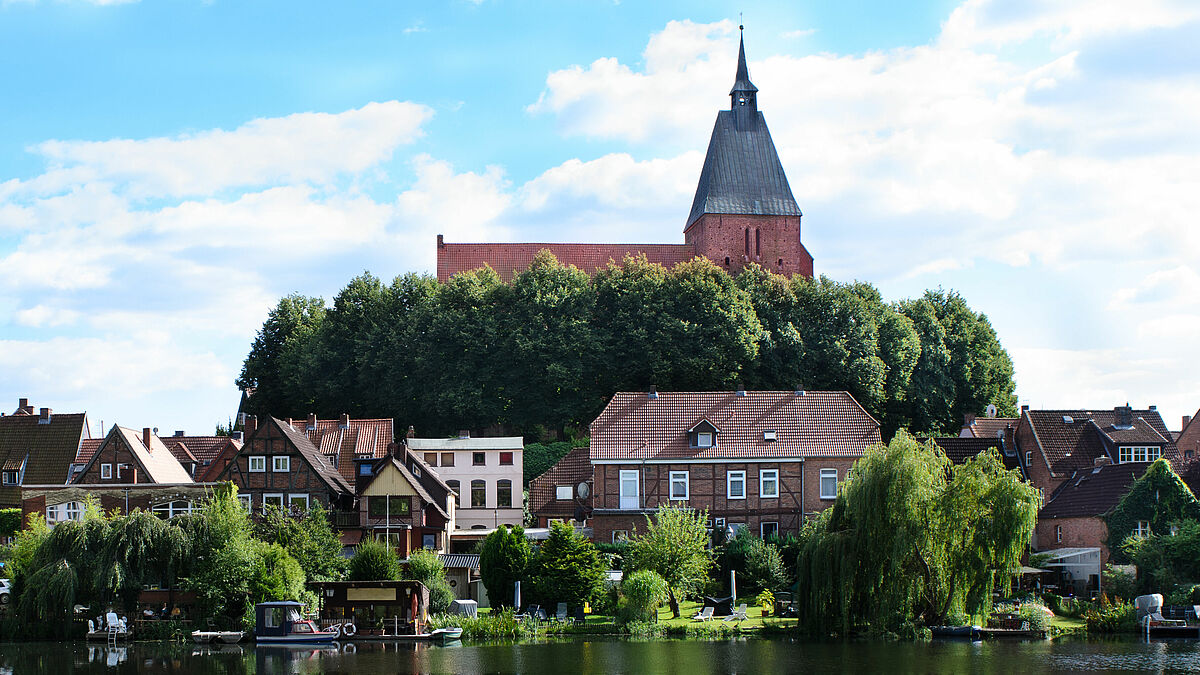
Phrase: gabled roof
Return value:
(155, 463)
(808, 424)
(959, 449)
(574, 468)
(1092, 492)
(412, 480)
(320, 466)
(360, 438)
(1075, 444)
(989, 427)
(203, 449)
(51, 448)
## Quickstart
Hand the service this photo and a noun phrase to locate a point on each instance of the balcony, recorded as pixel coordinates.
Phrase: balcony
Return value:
(343, 520)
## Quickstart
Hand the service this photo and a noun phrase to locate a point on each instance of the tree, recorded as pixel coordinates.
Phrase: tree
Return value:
(643, 591)
(426, 567)
(504, 558)
(373, 561)
(1160, 498)
(913, 538)
(567, 567)
(308, 538)
(759, 564)
(675, 545)
(283, 337)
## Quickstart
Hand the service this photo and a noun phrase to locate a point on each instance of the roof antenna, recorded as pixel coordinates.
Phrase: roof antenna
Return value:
(740, 26)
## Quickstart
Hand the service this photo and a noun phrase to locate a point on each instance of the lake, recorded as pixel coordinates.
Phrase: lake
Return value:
(596, 655)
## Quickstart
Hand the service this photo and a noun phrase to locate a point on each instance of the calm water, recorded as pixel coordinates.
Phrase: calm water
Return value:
(616, 656)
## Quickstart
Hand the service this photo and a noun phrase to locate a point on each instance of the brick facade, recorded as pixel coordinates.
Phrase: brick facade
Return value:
(259, 470)
(735, 241)
(113, 463)
(1076, 533)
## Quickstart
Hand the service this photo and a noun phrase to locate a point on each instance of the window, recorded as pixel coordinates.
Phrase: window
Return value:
(364, 469)
(718, 523)
(504, 493)
(298, 502)
(478, 458)
(431, 458)
(562, 492)
(735, 484)
(1139, 453)
(747, 241)
(736, 527)
(1142, 529)
(1174, 529)
(769, 530)
(454, 486)
(768, 483)
(244, 500)
(620, 535)
(389, 507)
(447, 459)
(275, 500)
(828, 483)
(106, 472)
(171, 509)
(478, 493)
(506, 459)
(121, 470)
(1058, 534)
(429, 541)
(1028, 458)
(281, 463)
(757, 242)
(704, 439)
(679, 485)
(258, 464)
(10, 478)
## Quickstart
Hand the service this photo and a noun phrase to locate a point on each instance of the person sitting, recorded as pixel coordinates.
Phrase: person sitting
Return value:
(162, 613)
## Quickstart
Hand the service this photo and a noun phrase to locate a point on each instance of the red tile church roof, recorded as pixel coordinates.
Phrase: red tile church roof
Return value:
(510, 259)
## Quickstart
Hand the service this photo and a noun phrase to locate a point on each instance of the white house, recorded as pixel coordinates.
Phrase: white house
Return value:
(485, 472)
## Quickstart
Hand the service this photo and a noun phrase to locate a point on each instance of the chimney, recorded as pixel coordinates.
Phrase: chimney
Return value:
(22, 403)
(741, 390)
(312, 421)
(1024, 409)
(969, 419)
(1103, 460)
(1124, 415)
(146, 438)
(1186, 420)
(653, 393)
(1153, 408)
(344, 421)
(178, 433)
(45, 416)
(441, 242)
(237, 436)
(464, 433)
(251, 425)
(411, 433)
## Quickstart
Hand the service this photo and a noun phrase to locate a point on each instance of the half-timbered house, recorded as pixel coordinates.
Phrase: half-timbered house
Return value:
(128, 457)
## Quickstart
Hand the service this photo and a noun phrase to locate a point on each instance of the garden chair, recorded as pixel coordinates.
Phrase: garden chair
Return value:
(561, 614)
(738, 615)
(579, 617)
(705, 614)
(531, 612)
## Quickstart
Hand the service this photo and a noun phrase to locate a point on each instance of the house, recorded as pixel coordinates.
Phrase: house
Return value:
(763, 460)
(197, 453)
(127, 457)
(351, 445)
(486, 473)
(66, 502)
(564, 491)
(278, 465)
(406, 503)
(743, 211)
(37, 447)
(986, 427)
(1188, 439)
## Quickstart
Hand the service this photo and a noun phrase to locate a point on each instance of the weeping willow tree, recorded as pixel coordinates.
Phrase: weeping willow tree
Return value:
(912, 539)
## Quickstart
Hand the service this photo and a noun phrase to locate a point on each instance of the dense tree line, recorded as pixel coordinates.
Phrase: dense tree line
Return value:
(545, 351)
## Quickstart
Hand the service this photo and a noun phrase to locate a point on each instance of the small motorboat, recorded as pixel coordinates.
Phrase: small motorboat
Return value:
(281, 623)
(969, 632)
(227, 636)
(446, 634)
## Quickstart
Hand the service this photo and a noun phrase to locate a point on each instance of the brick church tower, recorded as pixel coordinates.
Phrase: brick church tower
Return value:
(744, 210)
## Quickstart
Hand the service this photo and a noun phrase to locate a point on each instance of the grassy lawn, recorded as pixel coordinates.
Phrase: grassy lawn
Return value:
(688, 609)
(1067, 624)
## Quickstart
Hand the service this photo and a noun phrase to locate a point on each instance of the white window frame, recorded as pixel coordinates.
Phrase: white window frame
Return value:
(281, 463)
(1028, 458)
(765, 475)
(171, 510)
(1139, 453)
(296, 496)
(74, 510)
(718, 523)
(620, 536)
(1058, 534)
(16, 477)
(266, 500)
(1142, 529)
(827, 473)
(245, 500)
(729, 481)
(121, 470)
(704, 439)
(260, 461)
(106, 471)
(562, 493)
(624, 500)
(687, 485)
(762, 528)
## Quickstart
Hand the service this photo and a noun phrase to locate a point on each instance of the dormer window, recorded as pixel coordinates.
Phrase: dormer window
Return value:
(703, 435)
(1139, 453)
(704, 439)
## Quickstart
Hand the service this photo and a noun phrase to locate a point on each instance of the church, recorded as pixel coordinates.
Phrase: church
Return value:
(743, 211)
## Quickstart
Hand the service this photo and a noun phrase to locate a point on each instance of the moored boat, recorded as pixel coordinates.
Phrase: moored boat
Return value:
(281, 623)
(447, 633)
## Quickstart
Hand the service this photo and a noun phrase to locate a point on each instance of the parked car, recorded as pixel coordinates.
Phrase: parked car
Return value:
(5, 591)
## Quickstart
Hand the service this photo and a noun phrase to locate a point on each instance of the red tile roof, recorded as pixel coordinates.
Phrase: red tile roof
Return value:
(575, 467)
(1089, 434)
(1092, 492)
(808, 424)
(990, 427)
(203, 448)
(87, 448)
(361, 438)
(510, 259)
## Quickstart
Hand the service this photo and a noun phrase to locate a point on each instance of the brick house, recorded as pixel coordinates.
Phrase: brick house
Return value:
(405, 502)
(37, 447)
(65, 502)
(485, 473)
(986, 427)
(278, 465)
(196, 453)
(743, 210)
(763, 460)
(556, 494)
(128, 457)
(1188, 439)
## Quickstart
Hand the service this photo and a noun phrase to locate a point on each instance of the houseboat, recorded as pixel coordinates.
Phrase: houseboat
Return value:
(374, 610)
(281, 623)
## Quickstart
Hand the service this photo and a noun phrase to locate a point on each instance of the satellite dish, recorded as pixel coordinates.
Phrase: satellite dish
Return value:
(583, 490)
(990, 410)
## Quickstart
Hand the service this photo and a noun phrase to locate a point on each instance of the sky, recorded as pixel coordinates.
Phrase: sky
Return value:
(170, 168)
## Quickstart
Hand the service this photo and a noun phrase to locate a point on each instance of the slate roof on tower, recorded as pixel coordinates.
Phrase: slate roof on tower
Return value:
(742, 174)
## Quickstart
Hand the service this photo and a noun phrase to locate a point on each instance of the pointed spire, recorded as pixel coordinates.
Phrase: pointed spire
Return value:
(741, 81)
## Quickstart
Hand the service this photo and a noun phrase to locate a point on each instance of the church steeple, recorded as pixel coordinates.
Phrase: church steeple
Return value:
(743, 98)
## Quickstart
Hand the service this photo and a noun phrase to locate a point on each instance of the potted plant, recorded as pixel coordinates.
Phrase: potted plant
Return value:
(766, 600)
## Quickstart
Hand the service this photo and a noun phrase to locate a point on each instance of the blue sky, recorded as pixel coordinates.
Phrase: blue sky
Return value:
(169, 168)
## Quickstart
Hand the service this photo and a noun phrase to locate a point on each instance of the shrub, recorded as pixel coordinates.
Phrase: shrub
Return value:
(374, 561)
(501, 625)
(426, 567)
(1111, 618)
(1119, 582)
(1036, 615)
(644, 591)
(503, 559)
(567, 568)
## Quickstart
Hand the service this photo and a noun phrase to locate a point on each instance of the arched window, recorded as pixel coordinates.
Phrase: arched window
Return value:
(504, 494)
(757, 242)
(172, 509)
(478, 494)
(454, 486)
(747, 241)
